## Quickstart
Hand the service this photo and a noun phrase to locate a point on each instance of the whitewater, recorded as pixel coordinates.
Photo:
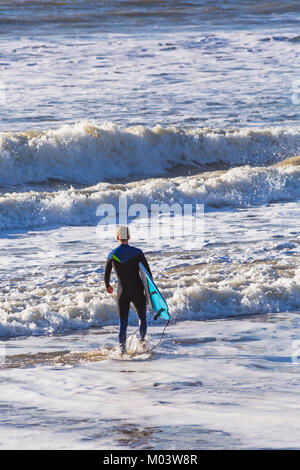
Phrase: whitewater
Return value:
(85, 153)
(159, 103)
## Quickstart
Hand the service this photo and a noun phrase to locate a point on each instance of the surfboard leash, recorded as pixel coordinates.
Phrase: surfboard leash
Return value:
(156, 346)
(161, 336)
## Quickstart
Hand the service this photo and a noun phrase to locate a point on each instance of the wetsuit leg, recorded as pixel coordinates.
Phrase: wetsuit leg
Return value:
(143, 325)
(123, 310)
(122, 331)
(139, 302)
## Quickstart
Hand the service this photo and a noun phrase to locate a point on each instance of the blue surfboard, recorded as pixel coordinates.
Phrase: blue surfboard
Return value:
(153, 296)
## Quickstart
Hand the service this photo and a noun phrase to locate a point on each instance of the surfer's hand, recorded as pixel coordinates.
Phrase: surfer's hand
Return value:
(110, 289)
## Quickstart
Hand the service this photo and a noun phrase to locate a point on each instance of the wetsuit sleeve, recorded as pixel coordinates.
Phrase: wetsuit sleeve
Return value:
(145, 263)
(107, 272)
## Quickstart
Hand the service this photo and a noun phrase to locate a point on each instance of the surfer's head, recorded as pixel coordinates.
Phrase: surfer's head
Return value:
(123, 234)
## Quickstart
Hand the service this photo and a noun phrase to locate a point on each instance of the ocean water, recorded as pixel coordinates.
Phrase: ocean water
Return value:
(189, 102)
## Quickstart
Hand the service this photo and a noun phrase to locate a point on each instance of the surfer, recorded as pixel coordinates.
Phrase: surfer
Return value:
(125, 260)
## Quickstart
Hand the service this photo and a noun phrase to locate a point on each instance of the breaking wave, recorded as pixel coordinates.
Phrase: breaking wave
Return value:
(256, 291)
(239, 187)
(87, 154)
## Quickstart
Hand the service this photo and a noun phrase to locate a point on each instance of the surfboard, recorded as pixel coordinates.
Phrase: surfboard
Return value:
(153, 296)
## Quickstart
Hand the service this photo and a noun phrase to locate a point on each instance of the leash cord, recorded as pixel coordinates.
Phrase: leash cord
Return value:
(151, 349)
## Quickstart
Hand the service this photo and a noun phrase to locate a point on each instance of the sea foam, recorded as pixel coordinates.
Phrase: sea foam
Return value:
(87, 153)
(239, 187)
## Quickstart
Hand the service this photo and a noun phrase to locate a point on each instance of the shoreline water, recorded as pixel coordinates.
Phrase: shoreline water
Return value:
(227, 384)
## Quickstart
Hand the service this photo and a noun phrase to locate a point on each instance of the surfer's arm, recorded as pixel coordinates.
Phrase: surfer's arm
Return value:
(107, 272)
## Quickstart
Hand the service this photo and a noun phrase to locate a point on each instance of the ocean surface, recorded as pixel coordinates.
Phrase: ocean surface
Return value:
(182, 101)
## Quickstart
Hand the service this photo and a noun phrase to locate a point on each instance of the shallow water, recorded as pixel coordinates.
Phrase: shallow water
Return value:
(219, 389)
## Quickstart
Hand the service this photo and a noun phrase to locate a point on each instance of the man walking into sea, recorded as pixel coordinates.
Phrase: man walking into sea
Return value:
(125, 259)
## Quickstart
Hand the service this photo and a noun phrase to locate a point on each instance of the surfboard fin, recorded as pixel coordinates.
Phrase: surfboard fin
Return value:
(158, 314)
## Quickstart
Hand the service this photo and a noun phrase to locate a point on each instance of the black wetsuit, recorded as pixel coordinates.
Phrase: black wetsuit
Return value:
(125, 260)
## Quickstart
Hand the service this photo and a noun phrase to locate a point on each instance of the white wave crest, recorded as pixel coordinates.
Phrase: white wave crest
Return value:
(87, 153)
(260, 293)
(256, 292)
(241, 186)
